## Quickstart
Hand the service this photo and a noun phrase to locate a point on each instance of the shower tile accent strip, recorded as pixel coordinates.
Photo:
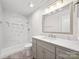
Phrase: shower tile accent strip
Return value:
(19, 55)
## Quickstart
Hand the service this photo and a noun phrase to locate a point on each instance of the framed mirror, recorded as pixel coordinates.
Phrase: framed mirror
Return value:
(59, 21)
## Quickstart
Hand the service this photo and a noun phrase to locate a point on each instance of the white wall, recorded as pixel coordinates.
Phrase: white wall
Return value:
(0, 26)
(37, 23)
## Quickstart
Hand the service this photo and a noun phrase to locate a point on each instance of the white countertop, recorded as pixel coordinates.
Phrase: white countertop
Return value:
(70, 44)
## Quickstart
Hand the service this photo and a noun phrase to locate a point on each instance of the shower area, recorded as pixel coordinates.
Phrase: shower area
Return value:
(15, 39)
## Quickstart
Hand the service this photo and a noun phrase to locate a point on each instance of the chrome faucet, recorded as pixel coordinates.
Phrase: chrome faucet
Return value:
(51, 35)
(54, 36)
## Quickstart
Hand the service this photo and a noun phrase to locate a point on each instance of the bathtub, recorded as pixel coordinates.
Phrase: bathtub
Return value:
(14, 49)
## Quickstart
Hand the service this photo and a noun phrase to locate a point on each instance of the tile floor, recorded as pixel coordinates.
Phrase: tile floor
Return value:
(19, 55)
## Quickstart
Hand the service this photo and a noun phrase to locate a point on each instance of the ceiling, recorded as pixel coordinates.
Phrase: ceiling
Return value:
(22, 6)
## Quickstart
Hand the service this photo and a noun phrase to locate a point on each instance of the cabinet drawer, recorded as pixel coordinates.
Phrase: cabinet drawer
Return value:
(33, 40)
(46, 45)
(48, 54)
(62, 50)
(67, 53)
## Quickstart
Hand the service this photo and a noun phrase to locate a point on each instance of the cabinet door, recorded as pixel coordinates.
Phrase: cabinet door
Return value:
(40, 52)
(48, 54)
(64, 53)
(34, 50)
(34, 47)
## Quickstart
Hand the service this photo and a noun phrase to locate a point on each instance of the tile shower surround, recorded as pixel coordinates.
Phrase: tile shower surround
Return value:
(15, 29)
(15, 32)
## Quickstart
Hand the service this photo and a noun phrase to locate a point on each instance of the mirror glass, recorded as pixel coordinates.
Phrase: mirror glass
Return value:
(59, 21)
(78, 15)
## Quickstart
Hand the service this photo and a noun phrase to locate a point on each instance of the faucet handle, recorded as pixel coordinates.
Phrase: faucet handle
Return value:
(54, 36)
(51, 35)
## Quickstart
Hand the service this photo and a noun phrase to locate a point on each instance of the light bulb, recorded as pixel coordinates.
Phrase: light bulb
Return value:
(47, 10)
(31, 5)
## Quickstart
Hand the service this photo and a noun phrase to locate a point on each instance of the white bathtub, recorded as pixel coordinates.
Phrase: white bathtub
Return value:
(14, 49)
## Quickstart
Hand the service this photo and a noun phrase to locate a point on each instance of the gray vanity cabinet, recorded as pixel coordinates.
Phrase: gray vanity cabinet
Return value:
(44, 50)
(34, 48)
(62, 56)
(61, 53)
(40, 52)
(48, 54)
(43, 53)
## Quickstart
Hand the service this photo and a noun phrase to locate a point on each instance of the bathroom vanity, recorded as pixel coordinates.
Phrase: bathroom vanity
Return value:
(54, 48)
(58, 21)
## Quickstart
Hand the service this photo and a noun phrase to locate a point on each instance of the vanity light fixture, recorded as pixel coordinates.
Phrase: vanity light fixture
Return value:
(59, 3)
(51, 8)
(47, 10)
(54, 6)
